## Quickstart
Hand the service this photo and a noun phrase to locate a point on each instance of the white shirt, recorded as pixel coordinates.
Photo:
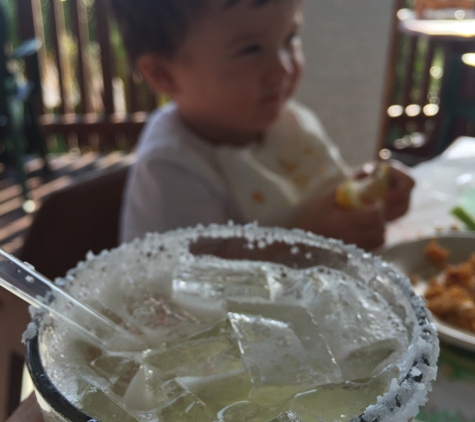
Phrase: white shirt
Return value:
(180, 180)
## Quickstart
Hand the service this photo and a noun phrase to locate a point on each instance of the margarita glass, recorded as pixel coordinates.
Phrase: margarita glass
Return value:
(243, 323)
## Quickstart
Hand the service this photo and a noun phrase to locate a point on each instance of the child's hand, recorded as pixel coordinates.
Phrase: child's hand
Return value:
(363, 226)
(399, 191)
(399, 187)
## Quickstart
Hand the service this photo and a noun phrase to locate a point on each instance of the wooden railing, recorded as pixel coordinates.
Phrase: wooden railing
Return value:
(92, 99)
(89, 97)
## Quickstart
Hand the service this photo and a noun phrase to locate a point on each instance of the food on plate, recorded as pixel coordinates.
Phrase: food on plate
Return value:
(435, 253)
(451, 294)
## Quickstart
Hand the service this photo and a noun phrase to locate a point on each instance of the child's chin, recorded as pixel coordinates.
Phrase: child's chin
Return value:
(269, 117)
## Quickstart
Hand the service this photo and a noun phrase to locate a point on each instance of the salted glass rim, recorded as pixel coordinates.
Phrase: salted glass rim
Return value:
(406, 393)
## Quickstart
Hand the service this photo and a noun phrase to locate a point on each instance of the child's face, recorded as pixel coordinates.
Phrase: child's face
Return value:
(239, 66)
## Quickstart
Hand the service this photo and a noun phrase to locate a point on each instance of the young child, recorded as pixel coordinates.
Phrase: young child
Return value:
(232, 144)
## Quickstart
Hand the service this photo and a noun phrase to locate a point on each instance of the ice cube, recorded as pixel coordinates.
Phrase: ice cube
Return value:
(305, 328)
(218, 391)
(270, 350)
(199, 286)
(287, 417)
(242, 411)
(274, 357)
(300, 279)
(87, 351)
(186, 408)
(104, 408)
(340, 402)
(145, 390)
(362, 331)
(118, 370)
(172, 389)
(152, 313)
(108, 366)
(246, 411)
(160, 319)
(212, 351)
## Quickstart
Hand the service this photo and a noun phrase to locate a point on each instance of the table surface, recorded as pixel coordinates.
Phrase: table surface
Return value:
(451, 29)
(451, 399)
(439, 184)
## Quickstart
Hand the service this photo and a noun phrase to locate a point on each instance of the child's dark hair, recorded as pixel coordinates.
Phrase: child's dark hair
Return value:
(159, 26)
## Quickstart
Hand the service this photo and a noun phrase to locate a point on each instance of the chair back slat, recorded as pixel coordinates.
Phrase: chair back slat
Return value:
(467, 86)
(108, 68)
(390, 76)
(3, 68)
(131, 98)
(30, 26)
(56, 16)
(408, 82)
(80, 33)
(425, 79)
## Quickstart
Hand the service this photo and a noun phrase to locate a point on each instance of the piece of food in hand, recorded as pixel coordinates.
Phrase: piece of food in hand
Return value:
(352, 194)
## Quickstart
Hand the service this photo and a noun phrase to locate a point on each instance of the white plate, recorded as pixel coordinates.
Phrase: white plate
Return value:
(408, 257)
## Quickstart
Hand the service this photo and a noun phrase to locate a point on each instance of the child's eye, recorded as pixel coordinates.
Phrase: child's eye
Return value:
(250, 49)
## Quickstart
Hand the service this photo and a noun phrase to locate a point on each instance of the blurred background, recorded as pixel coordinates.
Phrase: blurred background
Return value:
(388, 78)
(360, 64)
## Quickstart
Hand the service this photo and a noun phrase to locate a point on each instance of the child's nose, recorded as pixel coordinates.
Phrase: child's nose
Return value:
(282, 66)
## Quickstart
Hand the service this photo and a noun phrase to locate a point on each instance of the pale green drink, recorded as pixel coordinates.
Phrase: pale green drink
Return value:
(282, 326)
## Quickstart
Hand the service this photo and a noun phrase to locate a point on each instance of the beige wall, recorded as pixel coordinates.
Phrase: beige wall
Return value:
(346, 46)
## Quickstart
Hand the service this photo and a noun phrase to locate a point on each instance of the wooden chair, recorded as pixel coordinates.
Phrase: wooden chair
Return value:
(80, 218)
(72, 221)
(459, 101)
(421, 5)
(441, 110)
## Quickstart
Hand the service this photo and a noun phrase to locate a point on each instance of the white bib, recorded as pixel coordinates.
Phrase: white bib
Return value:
(272, 181)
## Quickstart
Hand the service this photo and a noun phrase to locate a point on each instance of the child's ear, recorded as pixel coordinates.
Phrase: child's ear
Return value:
(157, 73)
